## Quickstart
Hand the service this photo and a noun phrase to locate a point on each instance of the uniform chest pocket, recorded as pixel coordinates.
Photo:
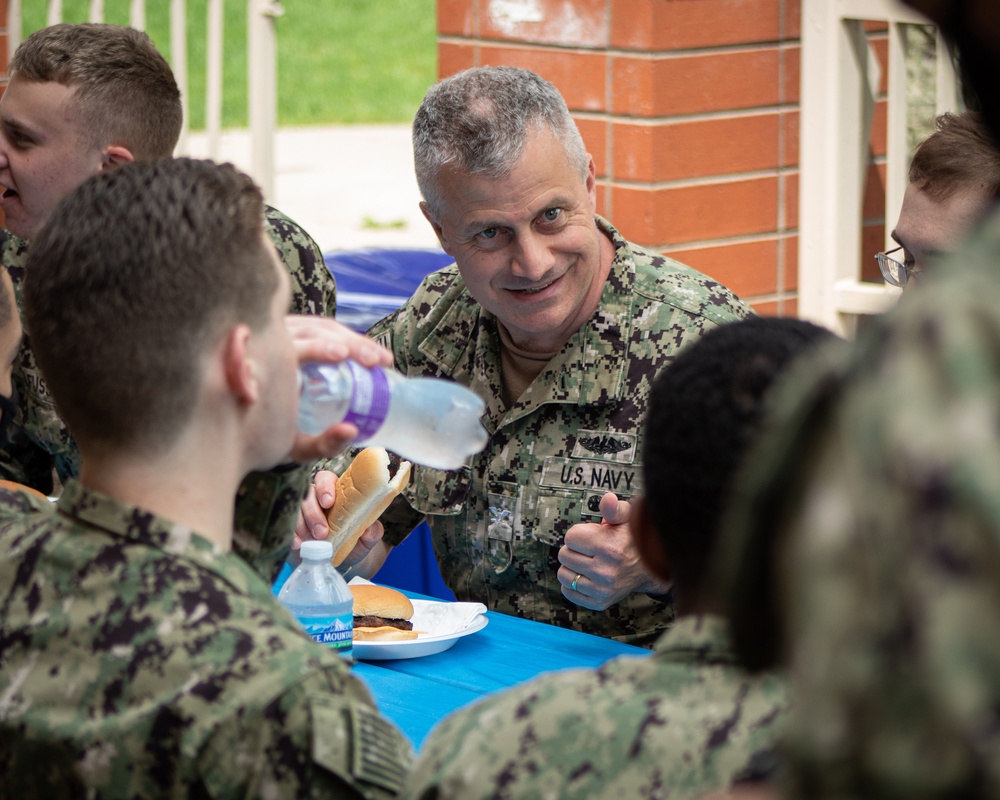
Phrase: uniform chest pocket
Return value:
(518, 517)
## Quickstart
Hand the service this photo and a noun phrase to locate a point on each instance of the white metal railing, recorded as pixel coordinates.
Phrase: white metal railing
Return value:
(839, 83)
(261, 42)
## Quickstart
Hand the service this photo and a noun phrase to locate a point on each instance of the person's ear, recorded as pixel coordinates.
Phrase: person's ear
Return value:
(239, 367)
(438, 230)
(591, 180)
(648, 542)
(115, 156)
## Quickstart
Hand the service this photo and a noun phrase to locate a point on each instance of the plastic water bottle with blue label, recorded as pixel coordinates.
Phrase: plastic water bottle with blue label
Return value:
(430, 421)
(319, 598)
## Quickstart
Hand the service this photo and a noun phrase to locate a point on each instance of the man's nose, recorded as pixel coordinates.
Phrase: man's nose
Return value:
(533, 257)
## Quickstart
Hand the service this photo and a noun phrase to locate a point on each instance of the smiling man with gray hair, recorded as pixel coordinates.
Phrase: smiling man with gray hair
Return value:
(560, 324)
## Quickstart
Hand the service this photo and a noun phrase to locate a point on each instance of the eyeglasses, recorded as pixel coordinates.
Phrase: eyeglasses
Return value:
(896, 273)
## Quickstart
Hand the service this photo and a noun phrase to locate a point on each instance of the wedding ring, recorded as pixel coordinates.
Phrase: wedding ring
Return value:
(576, 580)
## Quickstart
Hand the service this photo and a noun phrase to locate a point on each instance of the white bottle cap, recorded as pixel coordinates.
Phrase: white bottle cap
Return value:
(317, 550)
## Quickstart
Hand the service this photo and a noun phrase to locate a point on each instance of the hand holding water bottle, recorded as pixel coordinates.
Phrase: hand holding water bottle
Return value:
(325, 340)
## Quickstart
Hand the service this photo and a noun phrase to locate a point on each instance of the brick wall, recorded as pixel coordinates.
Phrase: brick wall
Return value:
(690, 109)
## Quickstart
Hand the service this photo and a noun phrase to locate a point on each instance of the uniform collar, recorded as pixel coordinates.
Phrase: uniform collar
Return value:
(147, 529)
(698, 638)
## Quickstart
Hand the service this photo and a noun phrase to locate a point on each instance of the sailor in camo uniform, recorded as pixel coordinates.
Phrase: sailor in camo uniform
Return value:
(86, 60)
(875, 509)
(687, 720)
(140, 655)
(560, 325)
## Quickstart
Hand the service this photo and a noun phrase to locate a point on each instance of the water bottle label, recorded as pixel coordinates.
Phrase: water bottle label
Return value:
(369, 400)
(337, 633)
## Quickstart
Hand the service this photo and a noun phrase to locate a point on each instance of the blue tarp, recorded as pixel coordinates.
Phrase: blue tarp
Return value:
(374, 282)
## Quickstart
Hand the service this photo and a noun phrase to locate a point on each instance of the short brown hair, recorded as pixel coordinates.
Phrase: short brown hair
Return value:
(139, 270)
(124, 88)
(960, 154)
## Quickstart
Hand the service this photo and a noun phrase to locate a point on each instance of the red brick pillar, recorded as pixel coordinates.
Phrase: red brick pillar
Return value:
(690, 109)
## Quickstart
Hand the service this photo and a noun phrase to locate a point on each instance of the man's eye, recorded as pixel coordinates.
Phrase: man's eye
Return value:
(17, 138)
(551, 214)
(489, 233)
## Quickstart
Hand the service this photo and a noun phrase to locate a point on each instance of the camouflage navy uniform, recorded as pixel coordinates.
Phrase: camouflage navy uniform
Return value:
(40, 441)
(574, 434)
(138, 660)
(683, 722)
(886, 461)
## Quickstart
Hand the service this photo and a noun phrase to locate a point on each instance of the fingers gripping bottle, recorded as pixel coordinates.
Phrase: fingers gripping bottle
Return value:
(319, 598)
(430, 421)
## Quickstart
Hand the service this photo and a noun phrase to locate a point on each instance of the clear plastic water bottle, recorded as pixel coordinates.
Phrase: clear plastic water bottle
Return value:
(319, 598)
(429, 421)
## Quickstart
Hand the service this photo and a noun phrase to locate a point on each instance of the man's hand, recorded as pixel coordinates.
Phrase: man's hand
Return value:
(323, 339)
(312, 521)
(600, 563)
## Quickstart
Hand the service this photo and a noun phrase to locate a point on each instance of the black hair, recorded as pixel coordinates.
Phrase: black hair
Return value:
(705, 409)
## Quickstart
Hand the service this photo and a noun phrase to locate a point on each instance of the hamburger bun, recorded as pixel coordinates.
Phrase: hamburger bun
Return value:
(386, 611)
(364, 491)
(380, 601)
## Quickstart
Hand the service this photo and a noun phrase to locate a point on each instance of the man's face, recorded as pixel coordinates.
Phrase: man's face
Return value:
(273, 351)
(43, 153)
(927, 227)
(526, 245)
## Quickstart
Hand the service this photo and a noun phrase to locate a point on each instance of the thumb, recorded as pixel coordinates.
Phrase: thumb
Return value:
(613, 510)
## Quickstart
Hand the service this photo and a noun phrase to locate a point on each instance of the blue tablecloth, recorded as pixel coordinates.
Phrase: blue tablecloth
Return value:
(417, 693)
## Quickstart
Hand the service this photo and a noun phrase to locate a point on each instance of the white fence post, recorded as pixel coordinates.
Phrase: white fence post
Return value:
(178, 62)
(213, 81)
(262, 92)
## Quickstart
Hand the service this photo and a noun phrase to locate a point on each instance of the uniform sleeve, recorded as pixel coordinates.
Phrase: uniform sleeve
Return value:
(883, 488)
(321, 738)
(267, 507)
(314, 289)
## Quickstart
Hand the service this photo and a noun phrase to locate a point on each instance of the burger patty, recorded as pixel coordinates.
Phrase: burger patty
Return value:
(371, 621)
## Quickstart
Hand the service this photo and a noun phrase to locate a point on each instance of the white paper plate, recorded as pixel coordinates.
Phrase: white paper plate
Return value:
(415, 648)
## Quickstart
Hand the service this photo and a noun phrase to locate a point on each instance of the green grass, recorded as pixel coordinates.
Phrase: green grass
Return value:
(339, 61)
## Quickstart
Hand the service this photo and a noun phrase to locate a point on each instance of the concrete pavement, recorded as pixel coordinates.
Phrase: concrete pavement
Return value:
(349, 186)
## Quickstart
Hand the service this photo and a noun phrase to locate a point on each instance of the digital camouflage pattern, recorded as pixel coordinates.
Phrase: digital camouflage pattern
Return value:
(40, 441)
(138, 660)
(574, 434)
(885, 462)
(680, 723)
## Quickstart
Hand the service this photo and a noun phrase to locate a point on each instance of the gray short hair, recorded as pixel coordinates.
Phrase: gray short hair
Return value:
(478, 121)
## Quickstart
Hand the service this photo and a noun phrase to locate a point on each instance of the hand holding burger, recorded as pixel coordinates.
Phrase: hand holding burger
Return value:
(363, 493)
